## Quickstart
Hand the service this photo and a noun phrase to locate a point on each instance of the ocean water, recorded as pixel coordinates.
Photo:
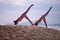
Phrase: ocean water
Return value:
(52, 27)
(55, 27)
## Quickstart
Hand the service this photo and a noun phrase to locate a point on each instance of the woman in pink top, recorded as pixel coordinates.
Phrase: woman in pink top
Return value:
(24, 16)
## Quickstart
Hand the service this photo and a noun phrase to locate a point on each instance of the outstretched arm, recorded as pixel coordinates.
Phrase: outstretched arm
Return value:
(29, 20)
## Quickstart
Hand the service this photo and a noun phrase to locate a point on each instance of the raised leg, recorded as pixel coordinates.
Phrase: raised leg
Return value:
(47, 12)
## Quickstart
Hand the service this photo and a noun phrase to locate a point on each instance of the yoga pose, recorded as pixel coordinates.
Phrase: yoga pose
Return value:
(43, 18)
(23, 16)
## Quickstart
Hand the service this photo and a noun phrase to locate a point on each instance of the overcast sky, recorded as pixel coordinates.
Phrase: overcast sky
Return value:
(10, 10)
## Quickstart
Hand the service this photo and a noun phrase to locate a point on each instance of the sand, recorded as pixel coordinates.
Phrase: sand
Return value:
(18, 32)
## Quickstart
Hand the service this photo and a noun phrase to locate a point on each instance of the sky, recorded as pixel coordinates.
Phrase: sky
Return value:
(10, 10)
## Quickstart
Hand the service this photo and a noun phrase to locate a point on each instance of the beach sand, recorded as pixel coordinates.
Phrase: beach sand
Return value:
(18, 32)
